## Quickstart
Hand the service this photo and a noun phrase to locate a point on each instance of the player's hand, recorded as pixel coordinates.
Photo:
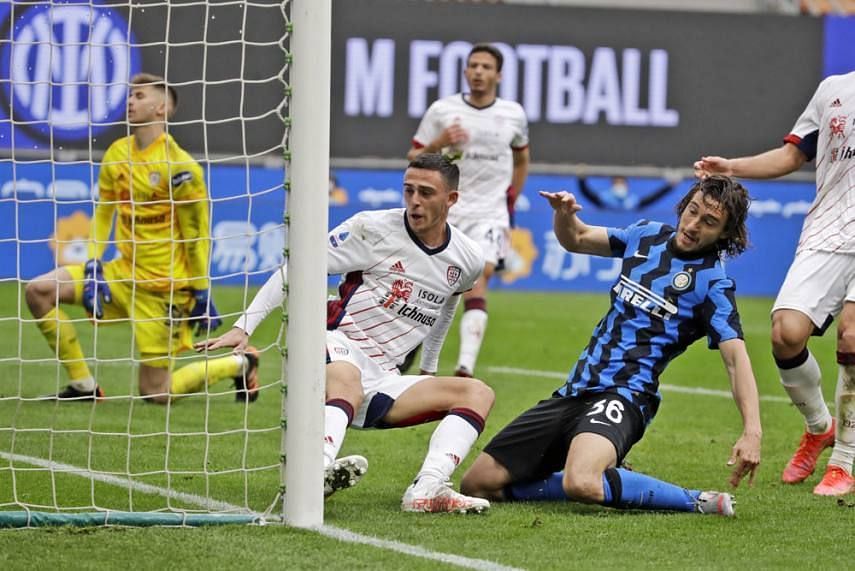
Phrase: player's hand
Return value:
(96, 292)
(745, 459)
(204, 315)
(453, 136)
(234, 337)
(511, 199)
(713, 165)
(562, 202)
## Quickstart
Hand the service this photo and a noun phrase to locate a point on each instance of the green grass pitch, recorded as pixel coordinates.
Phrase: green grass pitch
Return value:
(688, 443)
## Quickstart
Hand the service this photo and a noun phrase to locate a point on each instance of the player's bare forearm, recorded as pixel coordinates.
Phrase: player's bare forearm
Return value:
(194, 225)
(573, 234)
(771, 164)
(520, 172)
(745, 455)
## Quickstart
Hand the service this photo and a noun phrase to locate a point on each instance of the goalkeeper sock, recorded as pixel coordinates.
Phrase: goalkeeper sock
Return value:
(450, 443)
(632, 490)
(550, 489)
(473, 324)
(62, 338)
(191, 378)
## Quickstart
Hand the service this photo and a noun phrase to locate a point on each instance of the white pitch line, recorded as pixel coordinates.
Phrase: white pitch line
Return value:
(210, 504)
(664, 387)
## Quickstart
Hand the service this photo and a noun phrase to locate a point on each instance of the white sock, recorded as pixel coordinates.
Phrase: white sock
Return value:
(473, 325)
(86, 385)
(335, 425)
(449, 445)
(843, 454)
(803, 384)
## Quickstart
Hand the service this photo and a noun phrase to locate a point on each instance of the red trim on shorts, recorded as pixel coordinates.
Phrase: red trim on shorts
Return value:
(423, 418)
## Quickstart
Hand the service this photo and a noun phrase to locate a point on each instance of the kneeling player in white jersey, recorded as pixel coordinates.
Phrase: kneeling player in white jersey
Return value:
(820, 283)
(403, 271)
(490, 136)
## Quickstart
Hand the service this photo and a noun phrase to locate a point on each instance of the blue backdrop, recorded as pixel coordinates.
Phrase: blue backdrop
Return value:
(45, 210)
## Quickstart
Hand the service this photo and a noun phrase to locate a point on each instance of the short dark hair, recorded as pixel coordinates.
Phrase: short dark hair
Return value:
(733, 198)
(490, 49)
(437, 162)
(156, 81)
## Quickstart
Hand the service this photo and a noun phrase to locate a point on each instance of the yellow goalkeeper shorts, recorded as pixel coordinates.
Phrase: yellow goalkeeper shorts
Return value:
(159, 319)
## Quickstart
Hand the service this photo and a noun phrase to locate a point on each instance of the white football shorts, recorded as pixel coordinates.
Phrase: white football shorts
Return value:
(493, 239)
(379, 386)
(818, 284)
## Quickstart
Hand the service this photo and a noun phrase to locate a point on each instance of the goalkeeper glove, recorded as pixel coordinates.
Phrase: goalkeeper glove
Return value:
(96, 292)
(204, 314)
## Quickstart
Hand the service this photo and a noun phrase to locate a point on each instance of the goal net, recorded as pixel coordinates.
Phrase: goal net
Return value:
(65, 78)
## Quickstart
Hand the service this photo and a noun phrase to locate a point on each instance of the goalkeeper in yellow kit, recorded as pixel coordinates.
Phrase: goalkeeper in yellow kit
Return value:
(155, 195)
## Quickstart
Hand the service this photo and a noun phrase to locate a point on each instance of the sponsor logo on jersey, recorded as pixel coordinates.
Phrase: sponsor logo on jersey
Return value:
(181, 178)
(431, 296)
(837, 126)
(412, 312)
(681, 281)
(333, 241)
(639, 296)
(397, 267)
(836, 103)
(453, 274)
(53, 47)
(842, 153)
(154, 178)
(401, 289)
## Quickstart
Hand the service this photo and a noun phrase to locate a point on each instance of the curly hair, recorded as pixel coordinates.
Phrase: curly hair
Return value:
(732, 198)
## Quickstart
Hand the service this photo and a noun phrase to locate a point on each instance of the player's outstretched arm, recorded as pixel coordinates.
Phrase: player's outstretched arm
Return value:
(745, 456)
(572, 233)
(771, 164)
(234, 337)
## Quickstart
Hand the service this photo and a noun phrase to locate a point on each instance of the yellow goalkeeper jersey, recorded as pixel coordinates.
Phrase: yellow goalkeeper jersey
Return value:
(160, 202)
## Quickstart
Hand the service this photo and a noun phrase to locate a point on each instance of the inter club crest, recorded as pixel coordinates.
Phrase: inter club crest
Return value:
(453, 274)
(681, 281)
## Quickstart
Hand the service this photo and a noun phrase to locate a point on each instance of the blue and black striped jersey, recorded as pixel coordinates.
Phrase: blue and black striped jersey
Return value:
(662, 302)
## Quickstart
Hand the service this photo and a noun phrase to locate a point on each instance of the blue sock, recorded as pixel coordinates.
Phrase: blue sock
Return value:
(549, 489)
(631, 490)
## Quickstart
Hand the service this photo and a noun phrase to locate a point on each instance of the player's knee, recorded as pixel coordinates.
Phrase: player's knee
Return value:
(154, 397)
(479, 395)
(40, 295)
(583, 486)
(846, 339)
(481, 482)
(787, 341)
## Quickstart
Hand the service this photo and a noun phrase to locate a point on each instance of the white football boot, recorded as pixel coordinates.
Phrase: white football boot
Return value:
(715, 503)
(344, 473)
(428, 495)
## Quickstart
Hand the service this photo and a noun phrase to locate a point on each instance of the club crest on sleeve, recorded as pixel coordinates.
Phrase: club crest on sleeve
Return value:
(342, 236)
(681, 281)
(453, 274)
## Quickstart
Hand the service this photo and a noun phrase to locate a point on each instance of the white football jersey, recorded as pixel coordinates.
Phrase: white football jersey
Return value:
(487, 163)
(393, 287)
(825, 130)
